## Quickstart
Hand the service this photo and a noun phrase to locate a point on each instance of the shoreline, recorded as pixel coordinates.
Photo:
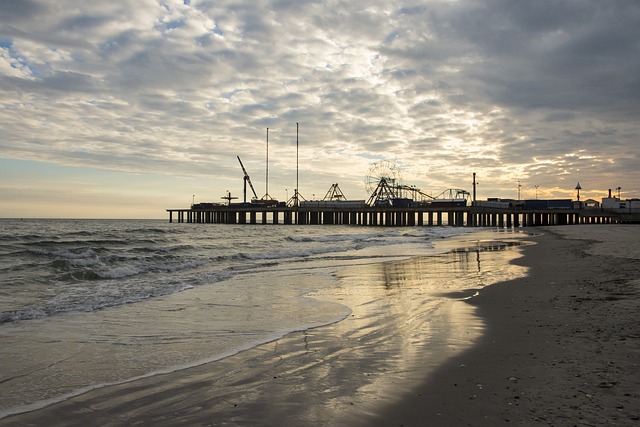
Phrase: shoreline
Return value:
(343, 371)
(557, 346)
(562, 345)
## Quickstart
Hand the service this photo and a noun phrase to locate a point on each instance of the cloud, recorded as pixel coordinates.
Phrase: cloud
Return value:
(509, 90)
(578, 56)
(18, 10)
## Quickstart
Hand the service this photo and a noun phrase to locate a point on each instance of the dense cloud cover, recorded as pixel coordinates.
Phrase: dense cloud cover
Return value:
(543, 92)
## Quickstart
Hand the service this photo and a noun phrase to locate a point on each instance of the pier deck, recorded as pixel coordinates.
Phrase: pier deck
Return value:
(468, 216)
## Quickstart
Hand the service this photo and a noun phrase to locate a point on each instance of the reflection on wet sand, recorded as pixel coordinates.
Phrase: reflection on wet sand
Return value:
(406, 321)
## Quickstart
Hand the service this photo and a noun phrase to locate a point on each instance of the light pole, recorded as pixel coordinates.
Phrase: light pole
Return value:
(519, 189)
(473, 201)
(193, 200)
(537, 191)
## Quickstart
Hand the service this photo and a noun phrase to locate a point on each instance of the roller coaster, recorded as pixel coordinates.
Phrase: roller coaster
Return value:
(384, 185)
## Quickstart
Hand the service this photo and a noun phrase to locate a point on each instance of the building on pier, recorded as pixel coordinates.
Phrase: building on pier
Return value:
(615, 204)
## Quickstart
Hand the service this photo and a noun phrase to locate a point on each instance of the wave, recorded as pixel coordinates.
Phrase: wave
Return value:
(113, 263)
(87, 300)
(346, 237)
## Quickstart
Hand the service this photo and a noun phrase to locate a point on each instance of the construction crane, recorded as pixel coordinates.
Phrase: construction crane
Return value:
(247, 179)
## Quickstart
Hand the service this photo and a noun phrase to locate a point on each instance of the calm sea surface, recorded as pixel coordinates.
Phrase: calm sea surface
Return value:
(85, 303)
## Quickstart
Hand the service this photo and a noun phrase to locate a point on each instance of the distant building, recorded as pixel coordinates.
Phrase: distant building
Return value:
(346, 204)
(618, 205)
(525, 204)
(591, 204)
(496, 202)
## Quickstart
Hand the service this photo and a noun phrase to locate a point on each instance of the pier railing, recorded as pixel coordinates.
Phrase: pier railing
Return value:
(467, 216)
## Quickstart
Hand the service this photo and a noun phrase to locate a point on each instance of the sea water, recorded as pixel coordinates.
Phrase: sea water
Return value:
(87, 303)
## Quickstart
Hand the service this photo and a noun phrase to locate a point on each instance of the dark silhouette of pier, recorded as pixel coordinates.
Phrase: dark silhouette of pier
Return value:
(457, 216)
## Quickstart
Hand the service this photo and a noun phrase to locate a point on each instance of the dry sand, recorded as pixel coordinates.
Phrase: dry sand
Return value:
(559, 347)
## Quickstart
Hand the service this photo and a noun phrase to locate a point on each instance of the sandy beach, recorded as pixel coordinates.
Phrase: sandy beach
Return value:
(553, 340)
(561, 347)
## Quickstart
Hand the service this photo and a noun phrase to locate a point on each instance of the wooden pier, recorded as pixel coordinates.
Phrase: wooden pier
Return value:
(464, 216)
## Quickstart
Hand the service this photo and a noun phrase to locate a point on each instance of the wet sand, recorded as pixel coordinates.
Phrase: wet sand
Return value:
(557, 347)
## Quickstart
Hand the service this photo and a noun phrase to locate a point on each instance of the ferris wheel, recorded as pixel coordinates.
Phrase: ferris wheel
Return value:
(382, 172)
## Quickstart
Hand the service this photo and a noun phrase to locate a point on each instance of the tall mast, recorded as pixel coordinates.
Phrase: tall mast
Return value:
(295, 199)
(297, 164)
(267, 177)
(266, 195)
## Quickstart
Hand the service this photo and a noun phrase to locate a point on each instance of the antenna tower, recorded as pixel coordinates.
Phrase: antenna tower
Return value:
(295, 199)
(266, 195)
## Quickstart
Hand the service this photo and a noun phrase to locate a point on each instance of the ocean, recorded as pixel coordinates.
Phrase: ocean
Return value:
(90, 303)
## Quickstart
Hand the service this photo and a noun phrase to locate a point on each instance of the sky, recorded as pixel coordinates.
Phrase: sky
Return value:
(123, 109)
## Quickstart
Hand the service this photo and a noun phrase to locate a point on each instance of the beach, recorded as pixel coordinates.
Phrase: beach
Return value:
(546, 338)
(561, 346)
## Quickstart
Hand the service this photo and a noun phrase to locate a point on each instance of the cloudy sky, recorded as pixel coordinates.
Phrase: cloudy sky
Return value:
(125, 108)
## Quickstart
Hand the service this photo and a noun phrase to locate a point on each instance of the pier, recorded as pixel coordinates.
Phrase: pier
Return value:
(459, 216)
(394, 204)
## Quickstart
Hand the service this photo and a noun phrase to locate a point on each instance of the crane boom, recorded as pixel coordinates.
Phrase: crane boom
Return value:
(247, 179)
